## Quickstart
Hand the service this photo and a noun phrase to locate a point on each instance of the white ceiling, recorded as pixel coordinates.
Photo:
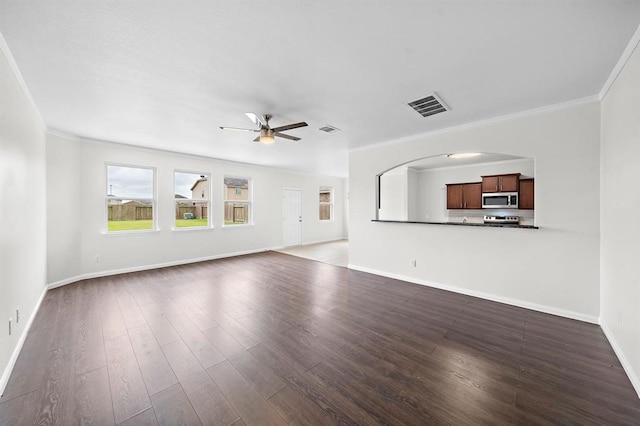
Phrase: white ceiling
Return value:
(167, 74)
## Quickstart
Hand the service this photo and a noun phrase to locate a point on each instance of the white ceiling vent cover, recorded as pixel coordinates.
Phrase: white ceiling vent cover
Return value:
(429, 105)
(328, 129)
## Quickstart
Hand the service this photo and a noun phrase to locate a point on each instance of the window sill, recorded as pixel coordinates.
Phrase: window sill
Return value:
(193, 229)
(129, 233)
(249, 225)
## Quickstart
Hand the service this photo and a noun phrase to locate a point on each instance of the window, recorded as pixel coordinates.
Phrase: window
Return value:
(130, 199)
(237, 201)
(326, 203)
(192, 205)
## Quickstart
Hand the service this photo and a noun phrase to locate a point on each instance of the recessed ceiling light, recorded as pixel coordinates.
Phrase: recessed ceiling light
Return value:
(464, 155)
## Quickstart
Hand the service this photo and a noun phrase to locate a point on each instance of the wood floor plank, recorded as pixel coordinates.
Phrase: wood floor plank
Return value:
(253, 409)
(155, 369)
(206, 353)
(173, 408)
(236, 330)
(92, 403)
(128, 392)
(111, 319)
(56, 389)
(30, 366)
(223, 341)
(260, 376)
(131, 313)
(146, 418)
(48, 312)
(206, 398)
(195, 313)
(298, 410)
(163, 330)
(90, 345)
(290, 341)
(378, 401)
(19, 410)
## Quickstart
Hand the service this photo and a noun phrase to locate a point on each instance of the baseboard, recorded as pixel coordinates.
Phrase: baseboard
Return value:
(330, 240)
(309, 243)
(107, 273)
(488, 296)
(633, 377)
(16, 351)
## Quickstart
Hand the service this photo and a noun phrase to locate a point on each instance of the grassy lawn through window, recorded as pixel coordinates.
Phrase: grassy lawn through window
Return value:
(188, 223)
(136, 225)
(129, 225)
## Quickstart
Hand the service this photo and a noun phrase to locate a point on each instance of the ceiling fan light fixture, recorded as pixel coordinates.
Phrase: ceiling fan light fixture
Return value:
(266, 137)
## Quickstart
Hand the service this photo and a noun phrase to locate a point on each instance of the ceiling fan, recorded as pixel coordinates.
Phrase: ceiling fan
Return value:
(267, 134)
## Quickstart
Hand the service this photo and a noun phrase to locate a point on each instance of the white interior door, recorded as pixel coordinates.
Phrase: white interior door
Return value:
(291, 217)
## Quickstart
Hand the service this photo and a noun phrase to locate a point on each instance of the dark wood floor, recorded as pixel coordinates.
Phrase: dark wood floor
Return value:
(274, 339)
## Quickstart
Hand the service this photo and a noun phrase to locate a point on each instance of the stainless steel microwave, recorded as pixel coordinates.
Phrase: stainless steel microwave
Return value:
(499, 200)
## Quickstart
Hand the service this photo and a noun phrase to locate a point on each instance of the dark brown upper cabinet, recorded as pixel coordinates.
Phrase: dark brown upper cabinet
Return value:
(526, 198)
(464, 196)
(501, 183)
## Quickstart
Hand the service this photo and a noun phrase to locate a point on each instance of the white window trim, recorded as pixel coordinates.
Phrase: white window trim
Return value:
(154, 201)
(249, 202)
(210, 224)
(323, 203)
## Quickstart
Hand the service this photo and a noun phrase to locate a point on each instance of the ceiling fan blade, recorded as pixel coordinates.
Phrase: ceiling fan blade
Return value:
(290, 126)
(257, 139)
(239, 129)
(256, 119)
(282, 135)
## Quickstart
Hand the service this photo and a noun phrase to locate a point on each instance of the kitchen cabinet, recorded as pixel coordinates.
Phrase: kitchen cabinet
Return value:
(501, 183)
(526, 199)
(464, 196)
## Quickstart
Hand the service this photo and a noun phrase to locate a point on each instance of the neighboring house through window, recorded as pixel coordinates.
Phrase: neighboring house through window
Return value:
(192, 200)
(237, 201)
(326, 203)
(130, 198)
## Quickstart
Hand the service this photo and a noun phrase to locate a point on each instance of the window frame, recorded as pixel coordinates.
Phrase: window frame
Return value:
(154, 200)
(330, 203)
(210, 224)
(248, 202)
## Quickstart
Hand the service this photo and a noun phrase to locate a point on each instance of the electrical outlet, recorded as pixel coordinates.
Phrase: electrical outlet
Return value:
(10, 319)
(97, 258)
(412, 263)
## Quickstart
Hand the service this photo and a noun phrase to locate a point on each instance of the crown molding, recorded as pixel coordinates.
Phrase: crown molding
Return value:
(626, 54)
(4, 48)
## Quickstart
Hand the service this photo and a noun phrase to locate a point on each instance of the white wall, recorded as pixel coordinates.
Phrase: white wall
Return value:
(85, 174)
(413, 194)
(64, 205)
(554, 268)
(433, 190)
(393, 195)
(620, 228)
(23, 210)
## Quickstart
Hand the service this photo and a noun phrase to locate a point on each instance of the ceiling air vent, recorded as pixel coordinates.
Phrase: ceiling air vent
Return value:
(429, 105)
(328, 129)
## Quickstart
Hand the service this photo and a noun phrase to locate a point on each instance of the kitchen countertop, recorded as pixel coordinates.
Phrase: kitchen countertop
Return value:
(483, 225)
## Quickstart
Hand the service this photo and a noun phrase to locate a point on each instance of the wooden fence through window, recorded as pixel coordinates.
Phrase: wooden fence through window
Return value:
(130, 211)
(198, 211)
